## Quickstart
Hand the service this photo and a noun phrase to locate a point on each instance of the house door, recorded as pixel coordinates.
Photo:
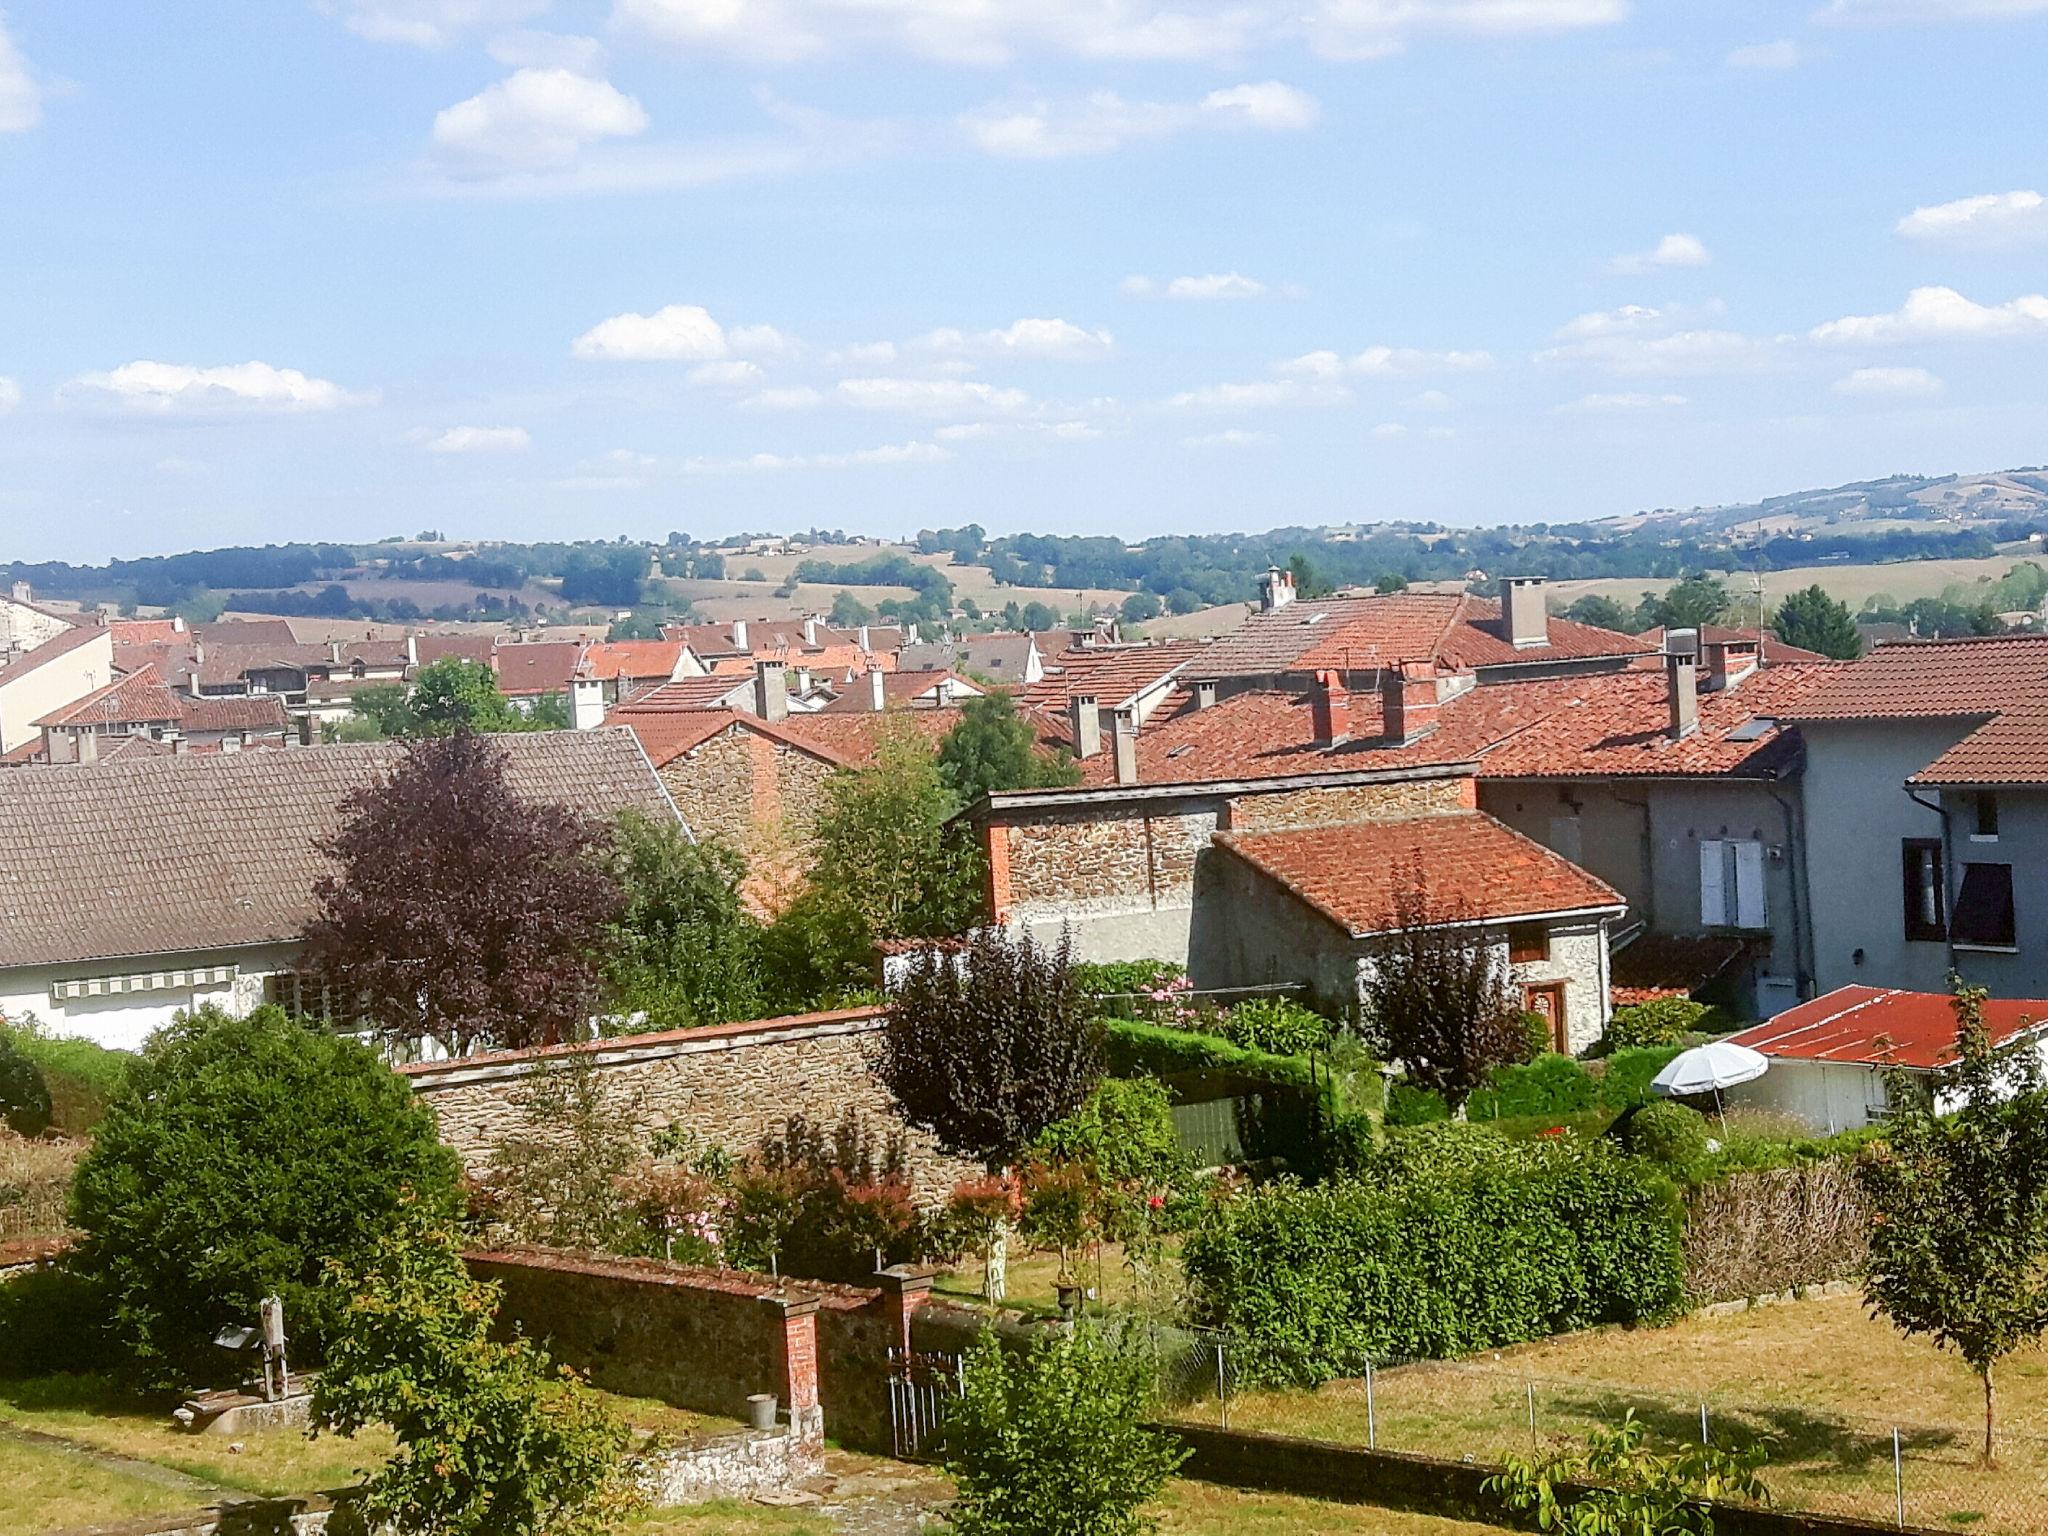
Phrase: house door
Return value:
(1547, 998)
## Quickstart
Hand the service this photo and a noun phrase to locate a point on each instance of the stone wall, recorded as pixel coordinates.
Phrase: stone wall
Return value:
(758, 796)
(1350, 802)
(1106, 857)
(732, 1084)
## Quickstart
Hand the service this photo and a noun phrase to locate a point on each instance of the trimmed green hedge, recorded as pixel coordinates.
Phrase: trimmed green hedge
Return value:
(1454, 1239)
(81, 1078)
(1549, 1085)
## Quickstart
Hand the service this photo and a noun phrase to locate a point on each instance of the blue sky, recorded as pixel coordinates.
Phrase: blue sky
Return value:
(342, 268)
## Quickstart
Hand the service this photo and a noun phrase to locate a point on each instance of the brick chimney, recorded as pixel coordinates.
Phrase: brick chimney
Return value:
(1330, 706)
(1681, 671)
(1126, 746)
(1086, 718)
(1276, 589)
(1408, 701)
(771, 691)
(1205, 693)
(1727, 662)
(1524, 620)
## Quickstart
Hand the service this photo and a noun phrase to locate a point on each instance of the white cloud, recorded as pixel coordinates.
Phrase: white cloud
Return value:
(21, 98)
(1384, 362)
(533, 120)
(1259, 394)
(800, 397)
(1637, 340)
(676, 333)
(888, 453)
(1430, 400)
(434, 23)
(864, 354)
(478, 440)
(10, 394)
(1934, 314)
(759, 341)
(547, 50)
(1045, 128)
(727, 373)
(1888, 383)
(1024, 338)
(1371, 29)
(947, 397)
(1603, 404)
(1386, 431)
(1992, 220)
(177, 387)
(1671, 251)
(1229, 437)
(1212, 285)
(1879, 11)
(1781, 54)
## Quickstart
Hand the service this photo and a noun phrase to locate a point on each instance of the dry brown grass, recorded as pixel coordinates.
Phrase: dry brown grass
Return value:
(35, 1181)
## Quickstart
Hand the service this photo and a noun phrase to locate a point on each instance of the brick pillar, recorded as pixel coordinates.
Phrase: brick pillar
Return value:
(905, 1288)
(996, 840)
(797, 1359)
(1468, 793)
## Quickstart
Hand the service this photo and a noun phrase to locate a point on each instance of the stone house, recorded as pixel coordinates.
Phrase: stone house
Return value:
(141, 709)
(46, 677)
(132, 890)
(26, 624)
(1319, 903)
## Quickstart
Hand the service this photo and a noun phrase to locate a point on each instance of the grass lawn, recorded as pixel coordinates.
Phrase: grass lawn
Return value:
(52, 1490)
(1032, 1278)
(1819, 1381)
(1203, 1509)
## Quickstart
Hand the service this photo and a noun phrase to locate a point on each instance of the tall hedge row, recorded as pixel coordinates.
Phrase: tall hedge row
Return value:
(1453, 1239)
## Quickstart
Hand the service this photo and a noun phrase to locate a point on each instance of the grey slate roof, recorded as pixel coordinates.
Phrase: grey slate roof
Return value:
(167, 855)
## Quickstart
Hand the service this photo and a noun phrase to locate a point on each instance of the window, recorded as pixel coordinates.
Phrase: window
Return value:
(1984, 907)
(1732, 883)
(1926, 899)
(1987, 814)
(1528, 944)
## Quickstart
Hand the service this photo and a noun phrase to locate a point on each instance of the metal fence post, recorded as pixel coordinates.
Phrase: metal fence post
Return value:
(1222, 1393)
(1531, 1386)
(1898, 1478)
(1704, 1440)
(1372, 1426)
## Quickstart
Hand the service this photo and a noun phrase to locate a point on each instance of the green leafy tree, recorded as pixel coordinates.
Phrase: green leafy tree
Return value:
(1390, 581)
(884, 842)
(1813, 621)
(1618, 1487)
(993, 748)
(1959, 1235)
(241, 1156)
(818, 953)
(1601, 613)
(1139, 607)
(1690, 604)
(1308, 581)
(683, 949)
(492, 1439)
(1050, 1441)
(449, 695)
(848, 611)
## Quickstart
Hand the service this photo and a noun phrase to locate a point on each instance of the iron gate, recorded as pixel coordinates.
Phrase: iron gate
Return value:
(922, 1389)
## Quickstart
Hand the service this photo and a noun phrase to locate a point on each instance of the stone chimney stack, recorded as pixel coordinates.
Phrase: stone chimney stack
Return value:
(586, 703)
(1408, 701)
(1126, 746)
(1681, 670)
(412, 650)
(334, 653)
(862, 636)
(22, 592)
(1086, 718)
(1331, 707)
(1524, 620)
(1276, 589)
(771, 691)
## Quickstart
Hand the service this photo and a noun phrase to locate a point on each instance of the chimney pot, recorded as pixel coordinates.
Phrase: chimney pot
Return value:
(1205, 693)
(1330, 707)
(1086, 718)
(1728, 662)
(1525, 621)
(810, 629)
(771, 691)
(1276, 589)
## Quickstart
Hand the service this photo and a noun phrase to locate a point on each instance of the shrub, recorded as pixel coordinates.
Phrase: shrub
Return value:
(54, 1319)
(1125, 1132)
(1615, 1484)
(1667, 1133)
(1115, 978)
(24, 1097)
(822, 1204)
(82, 1078)
(1051, 1441)
(1535, 1034)
(1549, 1086)
(1454, 1239)
(1277, 1025)
(1661, 1021)
(242, 1155)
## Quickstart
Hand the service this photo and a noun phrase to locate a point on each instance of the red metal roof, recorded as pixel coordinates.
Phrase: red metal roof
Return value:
(1475, 868)
(1883, 1026)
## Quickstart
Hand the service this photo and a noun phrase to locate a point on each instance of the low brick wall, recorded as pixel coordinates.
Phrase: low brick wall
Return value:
(1427, 1485)
(732, 1084)
(708, 1339)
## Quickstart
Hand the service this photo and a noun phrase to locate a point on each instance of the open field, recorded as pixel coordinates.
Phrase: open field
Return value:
(1819, 1382)
(1903, 580)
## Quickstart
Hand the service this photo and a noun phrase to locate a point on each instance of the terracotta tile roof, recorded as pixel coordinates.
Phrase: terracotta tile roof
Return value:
(145, 631)
(853, 739)
(1773, 651)
(714, 692)
(901, 690)
(1878, 1025)
(1455, 630)
(613, 659)
(1114, 674)
(2012, 749)
(211, 851)
(141, 698)
(665, 735)
(1473, 865)
(433, 648)
(536, 668)
(235, 712)
(1933, 679)
(1619, 724)
(1004, 657)
(247, 632)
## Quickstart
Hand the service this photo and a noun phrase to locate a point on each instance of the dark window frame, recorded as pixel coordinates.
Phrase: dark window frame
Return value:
(1528, 943)
(1984, 915)
(1911, 852)
(1986, 814)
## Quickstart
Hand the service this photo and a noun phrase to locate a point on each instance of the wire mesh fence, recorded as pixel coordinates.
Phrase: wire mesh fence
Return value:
(1817, 1459)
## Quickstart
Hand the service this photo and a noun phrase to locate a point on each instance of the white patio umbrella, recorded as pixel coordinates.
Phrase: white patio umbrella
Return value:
(1708, 1069)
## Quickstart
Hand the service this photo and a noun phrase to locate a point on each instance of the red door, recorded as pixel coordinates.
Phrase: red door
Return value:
(1547, 998)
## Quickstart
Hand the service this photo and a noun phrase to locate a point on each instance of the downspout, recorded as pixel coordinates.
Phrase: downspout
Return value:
(1804, 960)
(1649, 847)
(1948, 895)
